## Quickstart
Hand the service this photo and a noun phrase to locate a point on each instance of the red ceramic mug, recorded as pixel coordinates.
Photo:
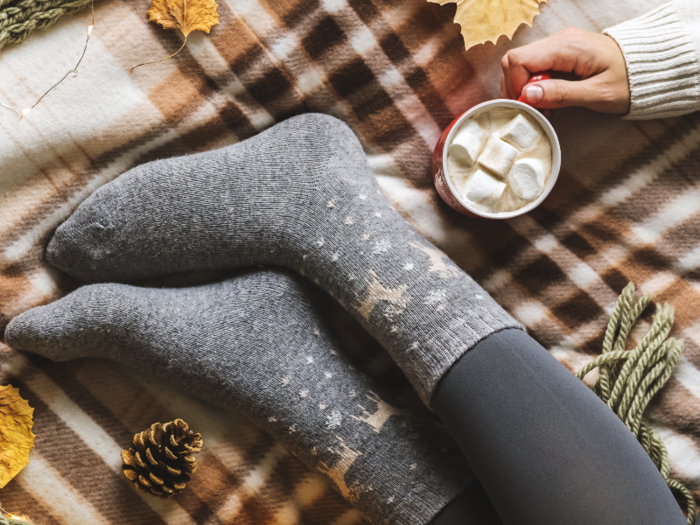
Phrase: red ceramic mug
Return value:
(443, 183)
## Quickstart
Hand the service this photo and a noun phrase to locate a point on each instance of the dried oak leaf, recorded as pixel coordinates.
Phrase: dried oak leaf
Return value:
(486, 20)
(16, 436)
(185, 15)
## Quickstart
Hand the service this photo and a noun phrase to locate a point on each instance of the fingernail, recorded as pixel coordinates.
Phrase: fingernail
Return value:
(534, 94)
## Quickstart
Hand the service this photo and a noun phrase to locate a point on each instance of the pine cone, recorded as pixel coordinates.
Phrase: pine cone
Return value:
(162, 459)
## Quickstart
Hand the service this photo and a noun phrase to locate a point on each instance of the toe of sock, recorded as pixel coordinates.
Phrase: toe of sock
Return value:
(25, 332)
(61, 330)
(80, 245)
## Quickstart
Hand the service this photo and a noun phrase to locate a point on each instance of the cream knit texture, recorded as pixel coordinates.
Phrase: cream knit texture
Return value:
(662, 53)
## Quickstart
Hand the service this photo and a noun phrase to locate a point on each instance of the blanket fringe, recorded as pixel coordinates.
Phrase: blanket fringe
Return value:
(629, 379)
(19, 18)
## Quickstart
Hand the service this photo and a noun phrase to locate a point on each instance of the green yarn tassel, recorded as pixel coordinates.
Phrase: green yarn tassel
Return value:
(19, 18)
(629, 379)
(4, 520)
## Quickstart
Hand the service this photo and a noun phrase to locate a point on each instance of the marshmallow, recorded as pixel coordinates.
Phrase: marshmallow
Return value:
(468, 142)
(483, 189)
(497, 156)
(526, 179)
(520, 133)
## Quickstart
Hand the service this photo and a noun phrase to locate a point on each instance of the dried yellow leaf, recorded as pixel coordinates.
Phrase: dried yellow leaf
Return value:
(185, 15)
(16, 437)
(486, 20)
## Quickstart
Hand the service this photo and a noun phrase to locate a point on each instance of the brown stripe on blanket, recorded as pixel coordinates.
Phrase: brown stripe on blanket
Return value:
(354, 81)
(443, 72)
(244, 507)
(692, 347)
(288, 475)
(448, 66)
(539, 275)
(114, 387)
(266, 79)
(86, 472)
(33, 199)
(643, 205)
(14, 284)
(223, 474)
(215, 132)
(186, 88)
(27, 284)
(643, 263)
(392, 45)
(207, 491)
(325, 35)
(330, 507)
(212, 484)
(117, 389)
(182, 92)
(678, 408)
(567, 199)
(218, 484)
(579, 246)
(362, 109)
(685, 298)
(200, 511)
(614, 278)
(680, 240)
(66, 376)
(30, 213)
(594, 345)
(18, 501)
(502, 245)
(605, 231)
(251, 445)
(555, 213)
(291, 13)
(252, 511)
(377, 119)
(577, 309)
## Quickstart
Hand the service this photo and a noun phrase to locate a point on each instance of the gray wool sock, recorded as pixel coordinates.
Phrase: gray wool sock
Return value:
(299, 195)
(257, 343)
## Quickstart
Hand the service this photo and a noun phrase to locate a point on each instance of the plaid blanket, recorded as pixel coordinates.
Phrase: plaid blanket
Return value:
(625, 208)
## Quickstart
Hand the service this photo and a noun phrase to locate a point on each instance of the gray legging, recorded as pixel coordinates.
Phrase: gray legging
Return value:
(545, 448)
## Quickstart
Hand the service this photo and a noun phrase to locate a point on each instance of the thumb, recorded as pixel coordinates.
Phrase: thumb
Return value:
(555, 94)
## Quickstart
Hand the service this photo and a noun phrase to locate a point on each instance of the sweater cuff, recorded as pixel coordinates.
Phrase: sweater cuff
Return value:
(662, 65)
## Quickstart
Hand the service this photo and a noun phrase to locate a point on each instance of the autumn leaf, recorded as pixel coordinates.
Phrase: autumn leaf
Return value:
(16, 437)
(486, 20)
(185, 15)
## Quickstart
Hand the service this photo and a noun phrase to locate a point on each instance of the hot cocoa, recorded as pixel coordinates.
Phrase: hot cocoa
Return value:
(499, 160)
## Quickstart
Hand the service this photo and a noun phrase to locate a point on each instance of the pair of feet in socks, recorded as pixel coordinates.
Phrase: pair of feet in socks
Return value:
(301, 196)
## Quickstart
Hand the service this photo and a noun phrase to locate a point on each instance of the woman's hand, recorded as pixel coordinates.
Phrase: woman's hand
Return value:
(594, 61)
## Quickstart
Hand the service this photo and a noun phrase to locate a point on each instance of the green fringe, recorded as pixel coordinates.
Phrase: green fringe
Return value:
(12, 521)
(19, 18)
(629, 379)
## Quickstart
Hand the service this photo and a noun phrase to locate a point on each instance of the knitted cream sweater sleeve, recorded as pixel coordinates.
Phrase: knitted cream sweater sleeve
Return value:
(662, 52)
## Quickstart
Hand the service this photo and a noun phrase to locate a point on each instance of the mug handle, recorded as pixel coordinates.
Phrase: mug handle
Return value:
(536, 77)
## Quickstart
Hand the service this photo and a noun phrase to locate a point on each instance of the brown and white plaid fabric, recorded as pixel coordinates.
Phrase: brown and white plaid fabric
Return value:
(626, 207)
